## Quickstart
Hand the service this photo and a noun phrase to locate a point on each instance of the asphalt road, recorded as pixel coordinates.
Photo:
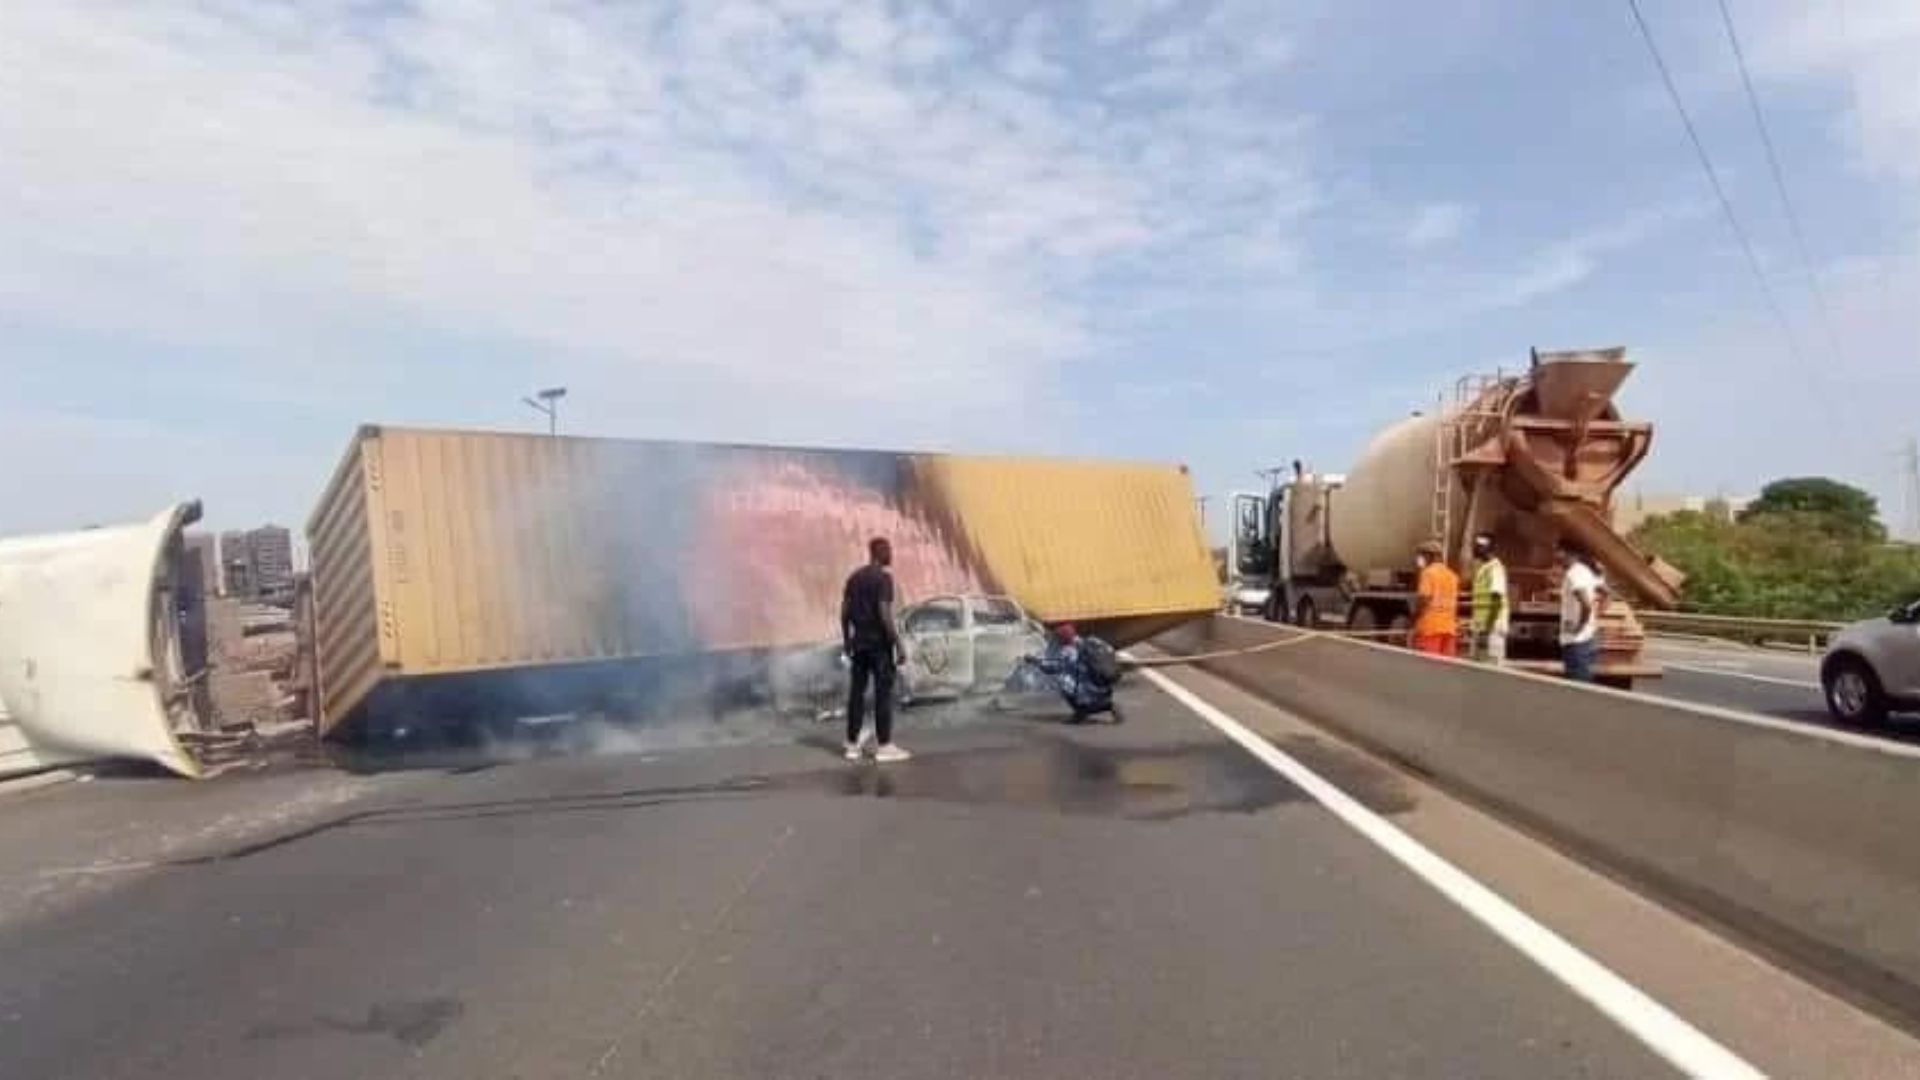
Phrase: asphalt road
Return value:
(1778, 684)
(1023, 899)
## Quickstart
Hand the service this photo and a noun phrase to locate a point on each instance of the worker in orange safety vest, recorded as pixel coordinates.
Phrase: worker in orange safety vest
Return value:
(1436, 604)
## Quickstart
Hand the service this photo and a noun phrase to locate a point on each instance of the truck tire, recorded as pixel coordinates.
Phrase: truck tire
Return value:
(1361, 619)
(1400, 630)
(1305, 615)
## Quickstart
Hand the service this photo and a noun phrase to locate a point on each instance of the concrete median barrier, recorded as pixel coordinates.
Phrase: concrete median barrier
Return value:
(1798, 838)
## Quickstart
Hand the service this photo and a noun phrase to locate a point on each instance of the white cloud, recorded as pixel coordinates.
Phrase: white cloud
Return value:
(824, 202)
(1569, 262)
(1116, 20)
(1436, 223)
(848, 221)
(1026, 57)
(1867, 47)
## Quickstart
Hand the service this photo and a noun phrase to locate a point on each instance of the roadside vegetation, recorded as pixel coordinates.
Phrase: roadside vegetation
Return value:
(1807, 548)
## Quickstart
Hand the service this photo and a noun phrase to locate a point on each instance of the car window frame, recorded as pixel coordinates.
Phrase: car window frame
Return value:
(1015, 616)
(952, 604)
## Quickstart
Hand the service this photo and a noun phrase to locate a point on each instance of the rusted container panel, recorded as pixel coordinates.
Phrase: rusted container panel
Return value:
(438, 552)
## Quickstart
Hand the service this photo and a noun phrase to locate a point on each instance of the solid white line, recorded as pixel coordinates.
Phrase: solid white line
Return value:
(1700, 669)
(1680, 1043)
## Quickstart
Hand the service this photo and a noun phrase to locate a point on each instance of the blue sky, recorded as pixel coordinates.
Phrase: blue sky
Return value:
(1222, 232)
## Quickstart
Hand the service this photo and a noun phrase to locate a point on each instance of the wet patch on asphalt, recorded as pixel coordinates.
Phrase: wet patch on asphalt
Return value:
(1071, 776)
(463, 750)
(415, 1023)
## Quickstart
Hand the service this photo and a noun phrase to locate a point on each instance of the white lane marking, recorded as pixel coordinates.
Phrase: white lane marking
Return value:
(102, 868)
(1702, 669)
(1666, 1034)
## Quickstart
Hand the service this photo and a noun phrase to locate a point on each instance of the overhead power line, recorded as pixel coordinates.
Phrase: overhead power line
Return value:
(1726, 207)
(1780, 185)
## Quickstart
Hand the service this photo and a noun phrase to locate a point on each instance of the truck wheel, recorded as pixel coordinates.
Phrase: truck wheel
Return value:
(1304, 614)
(1361, 620)
(1400, 631)
(1853, 692)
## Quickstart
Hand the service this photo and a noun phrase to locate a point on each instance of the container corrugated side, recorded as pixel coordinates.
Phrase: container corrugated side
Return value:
(346, 625)
(439, 552)
(1081, 540)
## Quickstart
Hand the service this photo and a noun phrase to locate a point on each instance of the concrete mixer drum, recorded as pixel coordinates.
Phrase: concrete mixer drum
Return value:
(1530, 458)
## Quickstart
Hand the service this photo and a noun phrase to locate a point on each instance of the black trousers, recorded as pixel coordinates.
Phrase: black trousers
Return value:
(873, 665)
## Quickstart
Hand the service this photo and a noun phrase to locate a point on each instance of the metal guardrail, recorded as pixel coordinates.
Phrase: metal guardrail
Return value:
(1811, 633)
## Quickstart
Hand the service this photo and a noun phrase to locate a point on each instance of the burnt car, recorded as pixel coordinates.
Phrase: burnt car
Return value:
(964, 644)
(956, 645)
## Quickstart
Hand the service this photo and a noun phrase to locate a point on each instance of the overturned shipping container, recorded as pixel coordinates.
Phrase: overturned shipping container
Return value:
(456, 572)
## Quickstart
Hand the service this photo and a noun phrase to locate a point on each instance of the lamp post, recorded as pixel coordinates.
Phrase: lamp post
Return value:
(549, 403)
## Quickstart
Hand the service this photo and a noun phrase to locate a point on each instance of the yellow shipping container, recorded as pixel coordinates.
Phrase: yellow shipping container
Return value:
(442, 553)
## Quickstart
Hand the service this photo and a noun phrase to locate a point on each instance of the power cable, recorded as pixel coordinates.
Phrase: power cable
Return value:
(1726, 207)
(1780, 185)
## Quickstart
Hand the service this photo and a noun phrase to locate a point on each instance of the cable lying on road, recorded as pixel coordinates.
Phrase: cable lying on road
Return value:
(1131, 662)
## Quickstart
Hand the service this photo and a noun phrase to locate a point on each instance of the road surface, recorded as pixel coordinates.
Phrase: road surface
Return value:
(1024, 899)
(1783, 685)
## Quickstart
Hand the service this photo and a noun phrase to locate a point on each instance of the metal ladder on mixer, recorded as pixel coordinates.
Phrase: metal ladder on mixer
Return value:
(1474, 405)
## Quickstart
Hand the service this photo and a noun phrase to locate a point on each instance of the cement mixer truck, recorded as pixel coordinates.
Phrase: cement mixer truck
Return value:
(1529, 458)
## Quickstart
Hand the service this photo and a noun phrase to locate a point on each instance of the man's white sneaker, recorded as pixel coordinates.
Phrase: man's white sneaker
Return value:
(890, 752)
(854, 752)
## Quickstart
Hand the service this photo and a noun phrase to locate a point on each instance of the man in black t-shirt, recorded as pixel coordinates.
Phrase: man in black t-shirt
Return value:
(874, 649)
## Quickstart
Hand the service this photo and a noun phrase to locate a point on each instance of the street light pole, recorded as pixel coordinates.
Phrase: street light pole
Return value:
(549, 403)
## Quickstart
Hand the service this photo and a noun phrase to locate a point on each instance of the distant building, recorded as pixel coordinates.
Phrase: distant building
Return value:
(1632, 509)
(236, 565)
(272, 548)
(257, 564)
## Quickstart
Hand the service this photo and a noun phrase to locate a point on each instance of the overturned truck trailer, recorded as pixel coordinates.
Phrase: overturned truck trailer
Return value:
(93, 662)
(469, 576)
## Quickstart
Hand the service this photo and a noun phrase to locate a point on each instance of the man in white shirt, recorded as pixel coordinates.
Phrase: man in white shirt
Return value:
(1579, 612)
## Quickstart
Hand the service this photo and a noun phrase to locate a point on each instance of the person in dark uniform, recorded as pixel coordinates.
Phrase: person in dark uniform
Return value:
(874, 651)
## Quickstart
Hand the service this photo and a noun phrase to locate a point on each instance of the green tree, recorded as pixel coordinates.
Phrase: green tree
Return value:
(1806, 549)
(1835, 507)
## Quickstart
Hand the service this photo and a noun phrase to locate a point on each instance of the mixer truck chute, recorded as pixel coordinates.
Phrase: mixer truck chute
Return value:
(1529, 458)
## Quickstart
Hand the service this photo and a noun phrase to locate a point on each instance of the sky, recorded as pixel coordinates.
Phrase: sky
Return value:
(1228, 233)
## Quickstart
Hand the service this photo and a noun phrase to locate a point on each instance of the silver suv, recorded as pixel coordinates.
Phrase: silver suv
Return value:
(1873, 667)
